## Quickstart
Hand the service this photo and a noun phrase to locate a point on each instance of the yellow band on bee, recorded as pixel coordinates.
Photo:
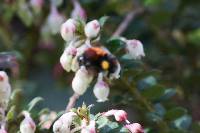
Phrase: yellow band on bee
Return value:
(105, 65)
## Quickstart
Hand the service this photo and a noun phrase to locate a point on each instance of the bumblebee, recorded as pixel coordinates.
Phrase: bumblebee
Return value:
(98, 59)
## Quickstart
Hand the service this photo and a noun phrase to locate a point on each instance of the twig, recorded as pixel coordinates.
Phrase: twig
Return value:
(72, 101)
(124, 24)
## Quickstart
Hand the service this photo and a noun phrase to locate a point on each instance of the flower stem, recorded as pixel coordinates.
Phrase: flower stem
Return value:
(72, 101)
(3, 120)
(124, 24)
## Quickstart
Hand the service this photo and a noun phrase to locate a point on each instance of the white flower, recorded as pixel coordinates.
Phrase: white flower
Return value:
(78, 11)
(54, 21)
(68, 30)
(27, 125)
(101, 89)
(5, 90)
(120, 115)
(81, 81)
(62, 125)
(92, 29)
(135, 128)
(90, 128)
(67, 57)
(135, 49)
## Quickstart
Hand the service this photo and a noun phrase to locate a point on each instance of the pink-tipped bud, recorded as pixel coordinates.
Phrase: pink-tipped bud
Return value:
(120, 115)
(62, 125)
(81, 81)
(55, 20)
(3, 130)
(5, 90)
(78, 12)
(47, 120)
(37, 5)
(92, 29)
(90, 128)
(68, 30)
(135, 49)
(101, 89)
(135, 128)
(27, 125)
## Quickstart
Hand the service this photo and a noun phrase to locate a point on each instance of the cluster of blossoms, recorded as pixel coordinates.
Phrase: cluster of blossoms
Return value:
(82, 56)
(87, 60)
(5, 92)
(79, 120)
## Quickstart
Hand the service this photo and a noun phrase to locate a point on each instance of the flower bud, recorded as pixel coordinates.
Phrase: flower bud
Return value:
(81, 81)
(67, 57)
(101, 89)
(55, 19)
(68, 30)
(92, 29)
(120, 115)
(47, 119)
(3, 130)
(37, 5)
(27, 125)
(135, 49)
(5, 90)
(62, 125)
(135, 128)
(90, 128)
(78, 11)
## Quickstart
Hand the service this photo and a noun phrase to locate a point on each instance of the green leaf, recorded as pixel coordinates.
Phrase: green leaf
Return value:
(194, 36)
(102, 121)
(168, 94)
(175, 113)
(80, 27)
(110, 127)
(147, 82)
(25, 14)
(151, 2)
(159, 109)
(183, 122)
(154, 93)
(154, 117)
(33, 103)
(103, 20)
(123, 130)
(15, 96)
(11, 114)
(115, 44)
